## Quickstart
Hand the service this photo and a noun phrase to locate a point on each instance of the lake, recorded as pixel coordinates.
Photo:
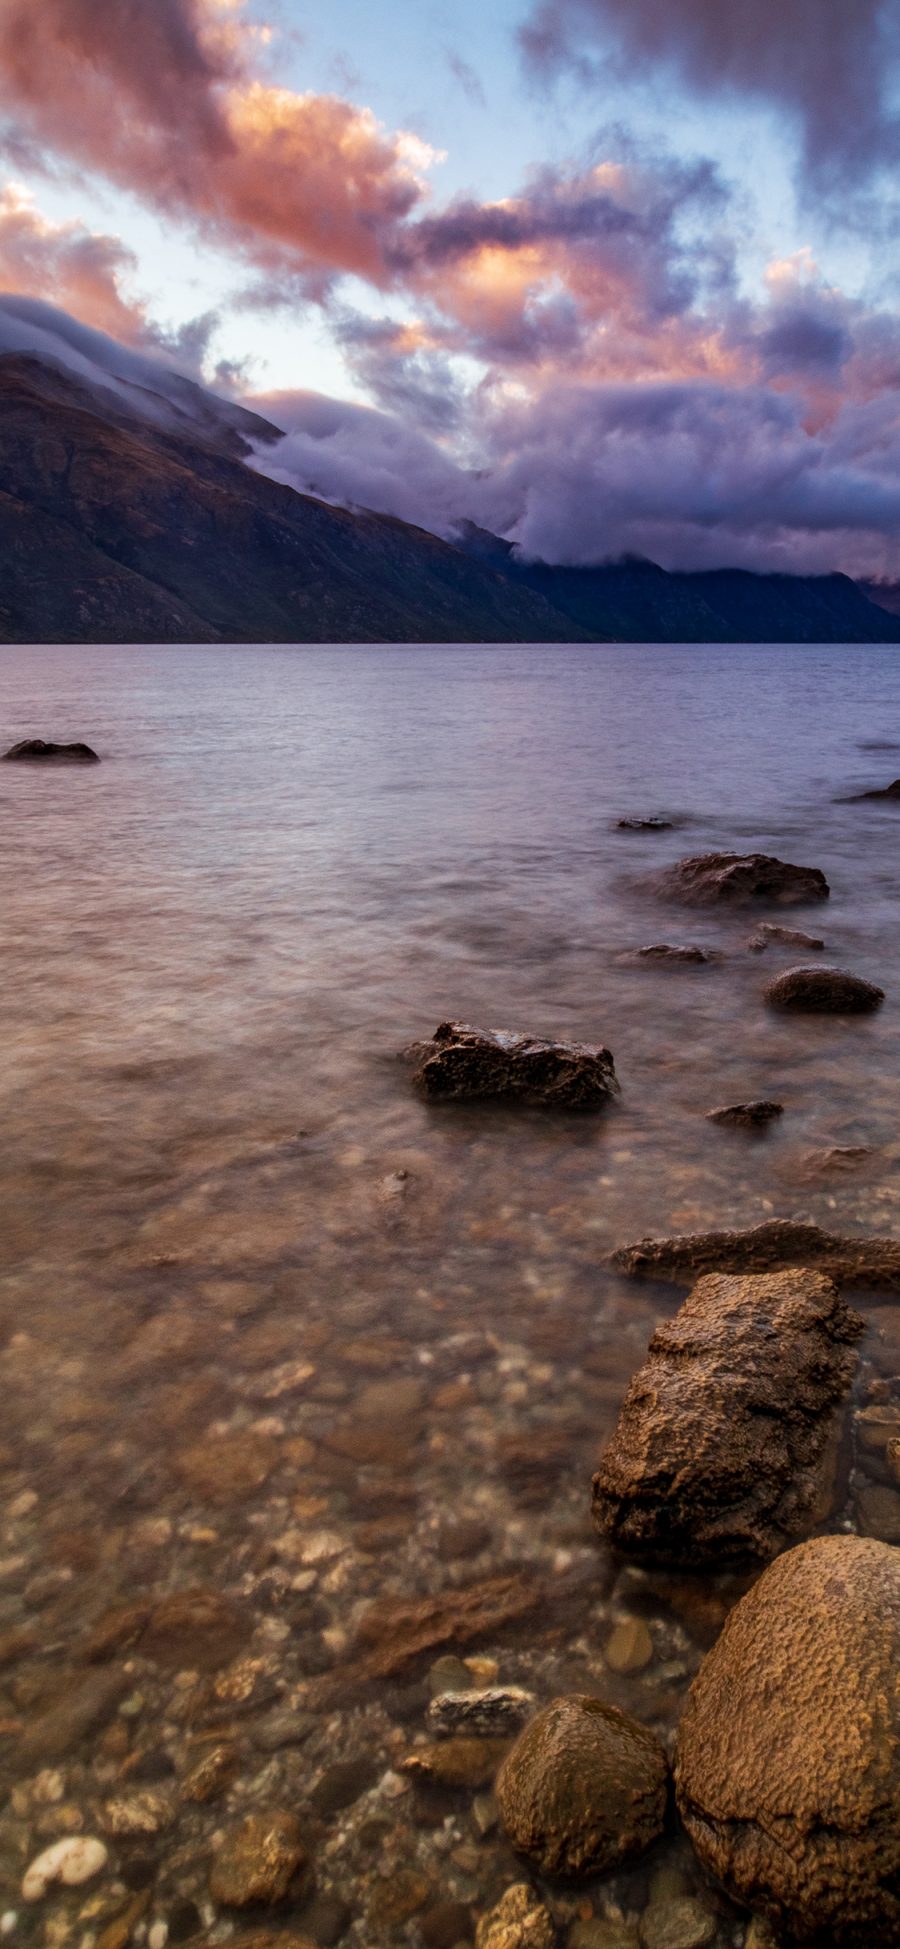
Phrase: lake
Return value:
(276, 1330)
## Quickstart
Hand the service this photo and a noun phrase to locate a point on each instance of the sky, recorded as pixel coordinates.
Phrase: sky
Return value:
(604, 276)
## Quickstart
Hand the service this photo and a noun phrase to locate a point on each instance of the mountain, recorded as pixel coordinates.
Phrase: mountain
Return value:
(635, 601)
(115, 528)
(129, 513)
(885, 594)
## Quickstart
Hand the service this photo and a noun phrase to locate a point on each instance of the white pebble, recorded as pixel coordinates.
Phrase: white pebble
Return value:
(72, 1861)
(8, 1921)
(158, 1935)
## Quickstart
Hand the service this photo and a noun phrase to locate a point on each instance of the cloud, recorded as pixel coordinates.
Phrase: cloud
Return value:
(166, 99)
(358, 457)
(829, 65)
(463, 72)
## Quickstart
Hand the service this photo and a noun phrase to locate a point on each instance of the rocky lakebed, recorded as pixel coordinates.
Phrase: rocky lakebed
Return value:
(450, 1478)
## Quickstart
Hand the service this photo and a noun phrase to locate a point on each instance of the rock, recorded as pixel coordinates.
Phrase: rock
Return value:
(602, 1934)
(72, 1861)
(834, 1157)
(583, 1789)
(788, 936)
(260, 1860)
(464, 1062)
(460, 1761)
(770, 1247)
(397, 1897)
(650, 824)
(708, 878)
(212, 1776)
(823, 991)
(88, 1705)
(747, 1116)
(878, 1510)
(446, 1924)
(788, 1758)
(226, 1468)
(466, 1537)
(721, 1446)
(676, 956)
(341, 1784)
(519, 1921)
(500, 1709)
(398, 1630)
(891, 791)
(629, 1648)
(325, 1919)
(137, 1813)
(39, 751)
(892, 1457)
(678, 1924)
(194, 1630)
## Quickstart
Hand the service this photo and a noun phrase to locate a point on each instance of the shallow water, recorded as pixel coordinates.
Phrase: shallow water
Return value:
(290, 864)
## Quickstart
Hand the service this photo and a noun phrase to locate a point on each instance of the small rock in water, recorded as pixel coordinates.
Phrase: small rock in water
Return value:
(747, 1116)
(823, 991)
(678, 1924)
(677, 956)
(878, 1511)
(788, 936)
(734, 878)
(41, 751)
(457, 1762)
(461, 1061)
(72, 1861)
(519, 1921)
(260, 1859)
(138, 1813)
(630, 1646)
(583, 1789)
(891, 791)
(774, 1246)
(496, 1711)
(597, 1933)
(650, 824)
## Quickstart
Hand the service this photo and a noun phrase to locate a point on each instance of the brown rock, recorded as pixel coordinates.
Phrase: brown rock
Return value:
(677, 956)
(397, 1897)
(85, 1707)
(464, 1062)
(398, 1630)
(747, 1116)
(260, 1860)
(194, 1630)
(721, 1447)
(788, 1763)
(519, 1921)
(735, 878)
(878, 1510)
(457, 1762)
(771, 1247)
(583, 1789)
(227, 1467)
(212, 1775)
(788, 936)
(823, 991)
(39, 751)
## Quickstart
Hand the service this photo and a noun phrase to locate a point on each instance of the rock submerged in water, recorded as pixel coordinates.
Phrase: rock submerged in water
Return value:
(774, 1246)
(461, 1061)
(721, 1450)
(39, 751)
(649, 824)
(769, 930)
(676, 956)
(891, 791)
(787, 1771)
(519, 1921)
(735, 878)
(261, 1859)
(823, 991)
(747, 1116)
(584, 1788)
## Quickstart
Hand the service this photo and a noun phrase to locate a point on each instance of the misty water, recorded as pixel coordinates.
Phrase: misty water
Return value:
(275, 1328)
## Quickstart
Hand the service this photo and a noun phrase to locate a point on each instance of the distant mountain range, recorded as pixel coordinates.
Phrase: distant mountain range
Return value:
(131, 515)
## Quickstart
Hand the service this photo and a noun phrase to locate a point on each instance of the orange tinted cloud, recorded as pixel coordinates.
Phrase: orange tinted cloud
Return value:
(163, 99)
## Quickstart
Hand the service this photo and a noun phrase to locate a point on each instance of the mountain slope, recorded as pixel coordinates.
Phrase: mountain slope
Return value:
(135, 533)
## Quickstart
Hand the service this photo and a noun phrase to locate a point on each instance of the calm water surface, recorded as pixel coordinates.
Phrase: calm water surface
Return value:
(274, 1328)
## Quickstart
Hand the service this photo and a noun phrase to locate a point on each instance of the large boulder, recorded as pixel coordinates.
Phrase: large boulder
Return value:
(823, 991)
(770, 1247)
(735, 878)
(788, 1760)
(461, 1061)
(38, 751)
(584, 1788)
(721, 1450)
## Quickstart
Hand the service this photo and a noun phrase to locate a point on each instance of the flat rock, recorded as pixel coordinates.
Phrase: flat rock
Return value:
(823, 991)
(261, 1858)
(788, 1758)
(677, 957)
(461, 1061)
(891, 791)
(87, 1705)
(722, 1450)
(747, 1116)
(460, 1761)
(194, 1630)
(770, 930)
(774, 1246)
(397, 1631)
(499, 1709)
(707, 879)
(583, 1789)
(681, 1923)
(650, 824)
(225, 1468)
(40, 751)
